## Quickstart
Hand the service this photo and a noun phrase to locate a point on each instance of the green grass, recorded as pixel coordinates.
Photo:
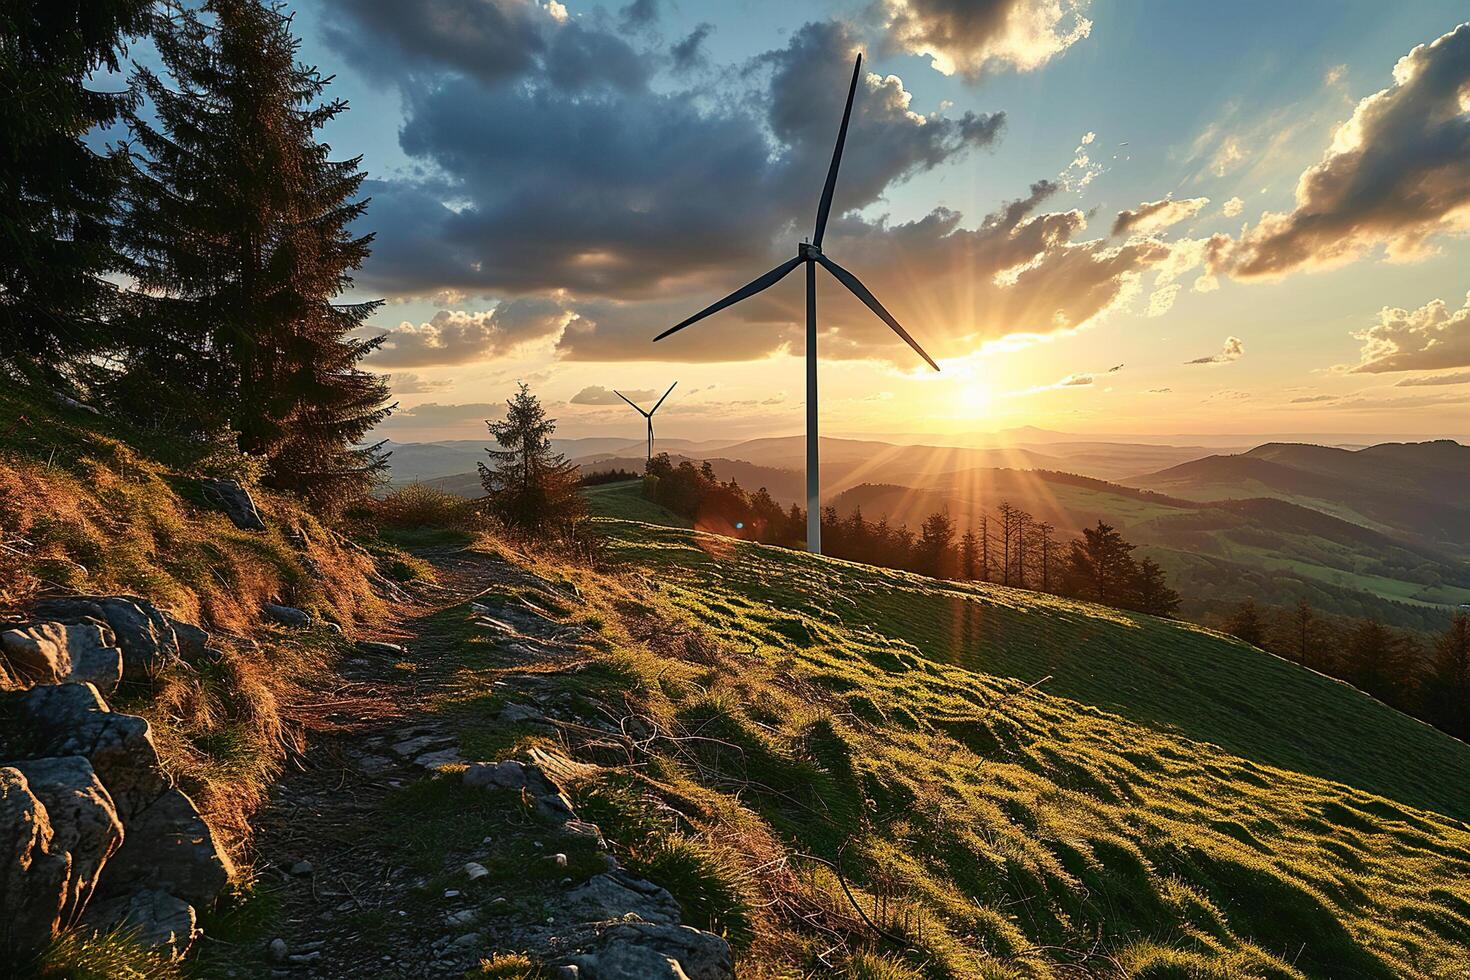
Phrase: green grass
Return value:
(1164, 802)
(625, 501)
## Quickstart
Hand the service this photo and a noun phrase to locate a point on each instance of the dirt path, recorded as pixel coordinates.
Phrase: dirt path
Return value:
(351, 896)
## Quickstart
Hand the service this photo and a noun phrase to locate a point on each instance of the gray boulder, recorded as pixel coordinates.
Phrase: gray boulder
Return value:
(156, 919)
(169, 848)
(648, 951)
(84, 823)
(56, 653)
(286, 615)
(230, 497)
(617, 894)
(140, 629)
(193, 641)
(33, 878)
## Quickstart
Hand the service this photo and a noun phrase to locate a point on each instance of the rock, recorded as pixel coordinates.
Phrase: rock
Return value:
(475, 871)
(439, 759)
(559, 859)
(55, 653)
(468, 941)
(166, 844)
(236, 502)
(513, 714)
(645, 951)
(169, 847)
(71, 719)
(301, 869)
(410, 747)
(139, 628)
(464, 917)
(286, 615)
(496, 775)
(615, 894)
(67, 401)
(278, 950)
(379, 648)
(83, 820)
(555, 808)
(157, 920)
(33, 880)
(193, 641)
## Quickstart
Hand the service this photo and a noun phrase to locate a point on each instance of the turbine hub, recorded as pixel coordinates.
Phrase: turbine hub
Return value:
(807, 250)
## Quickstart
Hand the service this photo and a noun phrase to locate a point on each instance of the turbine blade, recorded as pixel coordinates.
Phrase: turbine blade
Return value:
(764, 282)
(660, 401)
(861, 292)
(625, 398)
(826, 206)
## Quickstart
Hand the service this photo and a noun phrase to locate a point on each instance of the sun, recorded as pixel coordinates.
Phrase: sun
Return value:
(974, 397)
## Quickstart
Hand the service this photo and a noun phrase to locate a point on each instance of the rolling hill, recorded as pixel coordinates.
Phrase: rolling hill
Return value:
(1413, 490)
(1024, 785)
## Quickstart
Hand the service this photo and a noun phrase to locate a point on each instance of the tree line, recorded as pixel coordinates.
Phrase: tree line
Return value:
(1009, 547)
(189, 276)
(1428, 680)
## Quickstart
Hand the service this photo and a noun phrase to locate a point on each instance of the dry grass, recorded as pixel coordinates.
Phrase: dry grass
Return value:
(82, 510)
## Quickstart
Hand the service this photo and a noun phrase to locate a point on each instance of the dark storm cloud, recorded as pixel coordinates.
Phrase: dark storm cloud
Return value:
(638, 14)
(688, 54)
(623, 191)
(488, 39)
(1397, 174)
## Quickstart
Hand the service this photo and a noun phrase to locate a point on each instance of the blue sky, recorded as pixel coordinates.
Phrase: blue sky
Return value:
(552, 187)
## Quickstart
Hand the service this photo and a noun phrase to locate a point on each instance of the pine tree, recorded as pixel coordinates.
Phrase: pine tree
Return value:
(1151, 591)
(1374, 661)
(1100, 567)
(934, 551)
(1245, 623)
(1446, 691)
(58, 197)
(532, 489)
(969, 555)
(237, 222)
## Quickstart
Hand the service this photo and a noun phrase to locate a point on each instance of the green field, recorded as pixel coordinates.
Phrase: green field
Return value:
(1052, 788)
(626, 502)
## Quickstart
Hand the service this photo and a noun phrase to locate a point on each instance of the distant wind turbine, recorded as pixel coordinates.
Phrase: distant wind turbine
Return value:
(648, 415)
(810, 254)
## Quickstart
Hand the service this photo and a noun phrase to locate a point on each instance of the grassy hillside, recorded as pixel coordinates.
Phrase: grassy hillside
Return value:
(625, 501)
(1012, 784)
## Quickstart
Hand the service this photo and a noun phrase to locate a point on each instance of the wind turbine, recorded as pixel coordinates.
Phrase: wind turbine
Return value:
(811, 254)
(648, 415)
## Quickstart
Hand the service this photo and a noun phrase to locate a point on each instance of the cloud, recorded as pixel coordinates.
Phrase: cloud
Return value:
(1232, 208)
(598, 395)
(619, 191)
(1431, 338)
(969, 37)
(1160, 391)
(1459, 378)
(688, 54)
(434, 416)
(1161, 301)
(1314, 399)
(638, 14)
(457, 337)
(1154, 216)
(1233, 350)
(404, 383)
(1396, 175)
(1022, 271)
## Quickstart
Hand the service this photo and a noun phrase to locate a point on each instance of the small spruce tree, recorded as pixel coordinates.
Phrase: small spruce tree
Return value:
(533, 490)
(1245, 623)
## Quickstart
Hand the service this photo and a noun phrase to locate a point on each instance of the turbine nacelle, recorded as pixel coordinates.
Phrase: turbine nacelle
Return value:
(809, 252)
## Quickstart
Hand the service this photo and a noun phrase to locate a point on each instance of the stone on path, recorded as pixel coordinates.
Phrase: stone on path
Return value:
(236, 502)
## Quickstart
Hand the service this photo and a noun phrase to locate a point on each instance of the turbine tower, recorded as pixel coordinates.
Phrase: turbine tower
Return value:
(811, 255)
(648, 415)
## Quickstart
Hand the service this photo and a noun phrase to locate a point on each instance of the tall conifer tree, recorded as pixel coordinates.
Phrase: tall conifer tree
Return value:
(57, 197)
(238, 223)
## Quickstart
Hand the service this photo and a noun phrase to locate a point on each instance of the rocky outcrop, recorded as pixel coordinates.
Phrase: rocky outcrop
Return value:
(140, 630)
(92, 829)
(56, 653)
(287, 615)
(654, 951)
(232, 498)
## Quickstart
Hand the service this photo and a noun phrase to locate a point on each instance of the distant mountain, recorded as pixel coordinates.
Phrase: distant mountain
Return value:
(426, 461)
(1409, 490)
